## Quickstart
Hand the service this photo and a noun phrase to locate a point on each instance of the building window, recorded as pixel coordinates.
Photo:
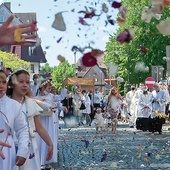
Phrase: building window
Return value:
(2, 18)
(30, 50)
(32, 68)
(13, 49)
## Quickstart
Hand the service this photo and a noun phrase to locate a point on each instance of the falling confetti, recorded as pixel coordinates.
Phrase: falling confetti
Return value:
(163, 27)
(17, 34)
(59, 23)
(88, 60)
(61, 58)
(125, 36)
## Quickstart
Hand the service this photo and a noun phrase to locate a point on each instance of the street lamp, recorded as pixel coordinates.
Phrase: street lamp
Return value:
(75, 49)
(101, 76)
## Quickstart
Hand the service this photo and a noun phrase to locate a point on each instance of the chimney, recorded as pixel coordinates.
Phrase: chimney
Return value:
(8, 5)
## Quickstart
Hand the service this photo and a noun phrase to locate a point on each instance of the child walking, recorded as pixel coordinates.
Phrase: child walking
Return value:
(99, 120)
(11, 120)
(18, 89)
(49, 118)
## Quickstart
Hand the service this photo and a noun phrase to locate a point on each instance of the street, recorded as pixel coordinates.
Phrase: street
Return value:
(82, 149)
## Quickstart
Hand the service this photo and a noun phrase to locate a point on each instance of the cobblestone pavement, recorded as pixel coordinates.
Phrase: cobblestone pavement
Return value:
(82, 149)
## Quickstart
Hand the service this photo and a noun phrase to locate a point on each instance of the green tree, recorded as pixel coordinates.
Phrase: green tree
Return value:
(47, 68)
(62, 71)
(126, 55)
(12, 61)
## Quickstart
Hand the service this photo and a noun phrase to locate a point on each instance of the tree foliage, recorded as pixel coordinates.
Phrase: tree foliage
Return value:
(12, 61)
(62, 71)
(126, 55)
(59, 73)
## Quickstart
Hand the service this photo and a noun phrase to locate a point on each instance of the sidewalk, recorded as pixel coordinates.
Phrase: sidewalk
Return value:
(82, 149)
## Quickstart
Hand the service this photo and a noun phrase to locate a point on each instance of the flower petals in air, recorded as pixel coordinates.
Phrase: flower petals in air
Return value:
(59, 39)
(88, 60)
(59, 23)
(34, 25)
(120, 21)
(163, 27)
(125, 36)
(61, 58)
(143, 49)
(96, 52)
(166, 2)
(82, 21)
(116, 4)
(105, 8)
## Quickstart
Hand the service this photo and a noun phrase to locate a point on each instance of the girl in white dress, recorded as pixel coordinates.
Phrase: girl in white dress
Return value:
(18, 89)
(99, 120)
(12, 120)
(112, 107)
(49, 118)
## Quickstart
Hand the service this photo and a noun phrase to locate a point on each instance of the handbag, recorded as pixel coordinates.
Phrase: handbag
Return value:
(82, 107)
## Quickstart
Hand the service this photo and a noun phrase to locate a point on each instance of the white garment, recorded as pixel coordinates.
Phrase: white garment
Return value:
(76, 104)
(34, 89)
(17, 123)
(31, 109)
(114, 103)
(129, 97)
(51, 125)
(99, 120)
(144, 106)
(86, 101)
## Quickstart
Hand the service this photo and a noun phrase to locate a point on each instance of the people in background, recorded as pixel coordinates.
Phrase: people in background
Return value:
(34, 87)
(112, 107)
(76, 105)
(158, 99)
(134, 101)
(99, 120)
(50, 104)
(85, 112)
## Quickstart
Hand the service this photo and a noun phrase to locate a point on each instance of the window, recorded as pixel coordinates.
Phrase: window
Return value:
(13, 49)
(32, 68)
(2, 18)
(30, 50)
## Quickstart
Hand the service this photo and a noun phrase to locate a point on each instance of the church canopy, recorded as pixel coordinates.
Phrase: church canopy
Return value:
(79, 81)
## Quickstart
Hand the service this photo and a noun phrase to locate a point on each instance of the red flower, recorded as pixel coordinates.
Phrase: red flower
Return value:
(143, 49)
(116, 4)
(125, 36)
(34, 25)
(82, 21)
(88, 60)
(59, 39)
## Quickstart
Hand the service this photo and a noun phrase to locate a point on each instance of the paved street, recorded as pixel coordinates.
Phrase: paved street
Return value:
(82, 149)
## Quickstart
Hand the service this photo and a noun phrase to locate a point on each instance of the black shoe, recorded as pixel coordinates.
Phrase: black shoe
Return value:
(131, 126)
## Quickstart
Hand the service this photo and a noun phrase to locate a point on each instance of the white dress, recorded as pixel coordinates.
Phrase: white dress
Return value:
(99, 120)
(51, 125)
(113, 106)
(30, 109)
(17, 123)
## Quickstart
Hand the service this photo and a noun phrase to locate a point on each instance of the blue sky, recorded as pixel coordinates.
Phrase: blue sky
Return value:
(96, 34)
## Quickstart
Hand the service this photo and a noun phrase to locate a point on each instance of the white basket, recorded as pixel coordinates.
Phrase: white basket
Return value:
(46, 113)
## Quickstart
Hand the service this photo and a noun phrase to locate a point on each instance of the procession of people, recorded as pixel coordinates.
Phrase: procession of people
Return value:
(30, 114)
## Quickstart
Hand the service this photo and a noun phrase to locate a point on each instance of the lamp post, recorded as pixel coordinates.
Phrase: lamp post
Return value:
(101, 75)
(75, 60)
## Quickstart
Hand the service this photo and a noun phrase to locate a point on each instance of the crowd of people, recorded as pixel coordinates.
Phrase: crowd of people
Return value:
(141, 108)
(29, 114)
